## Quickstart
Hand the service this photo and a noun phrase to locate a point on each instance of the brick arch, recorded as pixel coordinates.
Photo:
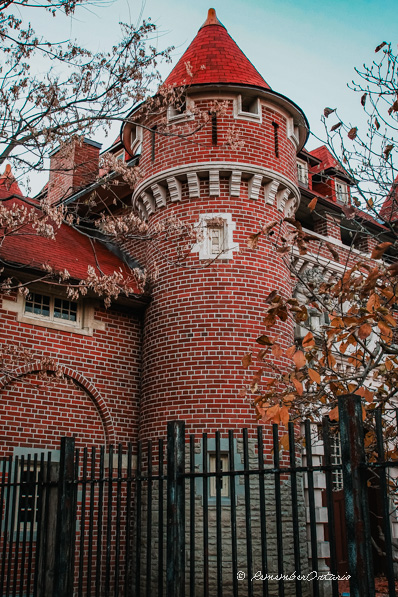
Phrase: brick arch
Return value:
(80, 380)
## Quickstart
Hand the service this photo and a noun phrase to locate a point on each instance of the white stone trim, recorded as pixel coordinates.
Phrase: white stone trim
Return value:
(270, 190)
(214, 183)
(292, 133)
(281, 198)
(255, 186)
(229, 228)
(149, 202)
(193, 185)
(160, 193)
(174, 188)
(141, 209)
(85, 325)
(234, 183)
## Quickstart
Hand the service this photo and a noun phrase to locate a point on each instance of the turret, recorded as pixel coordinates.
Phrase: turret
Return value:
(236, 173)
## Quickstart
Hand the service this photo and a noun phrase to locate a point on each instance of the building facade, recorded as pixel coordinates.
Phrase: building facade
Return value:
(73, 367)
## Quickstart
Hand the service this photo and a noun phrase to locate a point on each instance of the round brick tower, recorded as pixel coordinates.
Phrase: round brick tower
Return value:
(236, 173)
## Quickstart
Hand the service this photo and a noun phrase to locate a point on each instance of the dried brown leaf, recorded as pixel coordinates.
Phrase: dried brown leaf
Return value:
(334, 414)
(247, 360)
(252, 241)
(312, 204)
(298, 385)
(387, 150)
(336, 126)
(299, 359)
(333, 251)
(380, 249)
(380, 46)
(352, 133)
(328, 111)
(264, 340)
(314, 376)
(308, 341)
(349, 211)
(364, 331)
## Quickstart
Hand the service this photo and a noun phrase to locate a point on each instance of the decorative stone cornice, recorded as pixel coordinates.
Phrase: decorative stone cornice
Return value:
(152, 194)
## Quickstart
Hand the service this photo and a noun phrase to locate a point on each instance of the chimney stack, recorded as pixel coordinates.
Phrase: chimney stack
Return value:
(72, 167)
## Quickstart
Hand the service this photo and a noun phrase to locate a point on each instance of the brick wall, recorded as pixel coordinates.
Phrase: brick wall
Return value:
(98, 400)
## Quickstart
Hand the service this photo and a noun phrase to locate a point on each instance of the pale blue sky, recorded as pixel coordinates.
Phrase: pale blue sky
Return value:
(306, 50)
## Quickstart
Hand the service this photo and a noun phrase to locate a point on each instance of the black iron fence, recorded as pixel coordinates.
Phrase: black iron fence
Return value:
(229, 515)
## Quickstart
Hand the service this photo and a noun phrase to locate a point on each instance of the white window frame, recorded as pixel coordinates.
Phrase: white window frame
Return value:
(175, 116)
(342, 194)
(51, 317)
(85, 325)
(253, 115)
(316, 319)
(302, 172)
(227, 228)
(136, 136)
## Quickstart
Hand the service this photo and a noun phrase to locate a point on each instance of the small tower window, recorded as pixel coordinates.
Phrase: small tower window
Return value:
(247, 107)
(180, 110)
(216, 239)
(216, 233)
(276, 138)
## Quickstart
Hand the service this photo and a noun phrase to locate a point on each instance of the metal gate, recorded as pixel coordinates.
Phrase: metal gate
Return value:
(229, 515)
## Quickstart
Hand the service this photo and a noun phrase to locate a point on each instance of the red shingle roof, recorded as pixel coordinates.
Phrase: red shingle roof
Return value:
(214, 57)
(327, 160)
(70, 250)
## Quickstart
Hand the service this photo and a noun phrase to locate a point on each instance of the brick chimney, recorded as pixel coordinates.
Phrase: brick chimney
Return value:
(72, 167)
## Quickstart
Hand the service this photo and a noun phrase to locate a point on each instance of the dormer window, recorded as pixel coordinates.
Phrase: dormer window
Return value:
(135, 139)
(342, 194)
(302, 172)
(247, 107)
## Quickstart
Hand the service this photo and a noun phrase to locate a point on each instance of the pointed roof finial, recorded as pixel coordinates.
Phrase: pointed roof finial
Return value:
(211, 19)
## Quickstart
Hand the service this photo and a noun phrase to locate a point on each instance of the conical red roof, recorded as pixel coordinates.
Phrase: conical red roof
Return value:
(214, 57)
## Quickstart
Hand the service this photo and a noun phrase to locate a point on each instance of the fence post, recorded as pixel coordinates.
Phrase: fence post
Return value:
(360, 562)
(66, 521)
(175, 573)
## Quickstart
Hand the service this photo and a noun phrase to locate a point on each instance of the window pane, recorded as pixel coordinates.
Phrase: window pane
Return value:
(38, 304)
(64, 309)
(27, 496)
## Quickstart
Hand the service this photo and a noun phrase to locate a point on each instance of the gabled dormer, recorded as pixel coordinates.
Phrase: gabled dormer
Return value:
(329, 178)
